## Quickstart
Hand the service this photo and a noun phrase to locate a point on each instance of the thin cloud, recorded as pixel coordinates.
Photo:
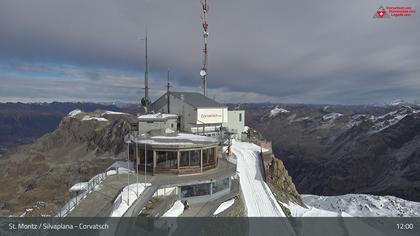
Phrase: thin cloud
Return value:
(277, 51)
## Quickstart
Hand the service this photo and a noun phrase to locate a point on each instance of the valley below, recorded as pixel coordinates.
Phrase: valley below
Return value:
(335, 150)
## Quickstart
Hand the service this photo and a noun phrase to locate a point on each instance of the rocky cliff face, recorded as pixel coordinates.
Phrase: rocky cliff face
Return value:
(276, 174)
(83, 145)
(281, 183)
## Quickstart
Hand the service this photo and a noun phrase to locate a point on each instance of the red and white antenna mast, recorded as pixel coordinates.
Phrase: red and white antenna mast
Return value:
(203, 71)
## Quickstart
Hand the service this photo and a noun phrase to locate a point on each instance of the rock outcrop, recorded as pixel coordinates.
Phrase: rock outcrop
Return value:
(81, 147)
(281, 183)
(276, 175)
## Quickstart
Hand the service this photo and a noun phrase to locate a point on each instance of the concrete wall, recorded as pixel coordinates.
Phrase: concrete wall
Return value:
(236, 122)
(146, 126)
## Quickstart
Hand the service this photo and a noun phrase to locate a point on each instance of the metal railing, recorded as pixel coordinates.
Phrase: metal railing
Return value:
(72, 203)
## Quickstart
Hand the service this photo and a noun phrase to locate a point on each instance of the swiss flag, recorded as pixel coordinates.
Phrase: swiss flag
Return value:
(381, 13)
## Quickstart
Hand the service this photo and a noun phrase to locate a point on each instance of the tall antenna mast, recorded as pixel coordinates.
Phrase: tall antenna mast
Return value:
(145, 101)
(168, 86)
(203, 71)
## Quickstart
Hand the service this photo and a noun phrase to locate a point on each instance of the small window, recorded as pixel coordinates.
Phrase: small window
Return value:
(172, 125)
(240, 117)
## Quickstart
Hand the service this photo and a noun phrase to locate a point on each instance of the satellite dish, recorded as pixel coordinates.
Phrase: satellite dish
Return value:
(203, 72)
(145, 101)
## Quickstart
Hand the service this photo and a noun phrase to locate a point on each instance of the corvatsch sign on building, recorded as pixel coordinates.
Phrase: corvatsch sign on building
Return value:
(211, 115)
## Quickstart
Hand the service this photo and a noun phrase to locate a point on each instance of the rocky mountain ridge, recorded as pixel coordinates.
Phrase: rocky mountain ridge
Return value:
(22, 123)
(82, 146)
(332, 150)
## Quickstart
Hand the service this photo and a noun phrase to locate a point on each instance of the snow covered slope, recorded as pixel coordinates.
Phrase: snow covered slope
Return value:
(363, 205)
(259, 199)
(127, 197)
(274, 112)
(354, 205)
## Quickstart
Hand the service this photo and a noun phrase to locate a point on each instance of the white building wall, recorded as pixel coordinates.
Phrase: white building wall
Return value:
(192, 119)
(146, 126)
(236, 122)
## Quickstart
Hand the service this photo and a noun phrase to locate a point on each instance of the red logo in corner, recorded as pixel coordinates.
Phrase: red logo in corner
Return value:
(381, 13)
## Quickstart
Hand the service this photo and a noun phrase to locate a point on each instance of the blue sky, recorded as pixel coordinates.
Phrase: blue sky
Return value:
(259, 51)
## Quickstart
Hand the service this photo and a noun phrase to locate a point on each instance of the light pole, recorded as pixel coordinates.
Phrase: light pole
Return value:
(128, 173)
(137, 170)
(203, 126)
(145, 164)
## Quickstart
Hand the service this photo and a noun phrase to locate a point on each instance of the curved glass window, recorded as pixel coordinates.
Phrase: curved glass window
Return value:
(166, 160)
(195, 157)
(184, 159)
(195, 190)
(208, 156)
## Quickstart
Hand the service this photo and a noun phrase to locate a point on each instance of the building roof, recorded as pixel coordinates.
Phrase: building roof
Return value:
(173, 139)
(194, 99)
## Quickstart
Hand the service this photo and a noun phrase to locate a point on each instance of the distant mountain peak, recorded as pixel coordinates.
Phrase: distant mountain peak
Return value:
(276, 111)
(396, 102)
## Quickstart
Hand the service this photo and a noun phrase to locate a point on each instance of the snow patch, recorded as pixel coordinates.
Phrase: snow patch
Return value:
(74, 113)
(157, 116)
(113, 113)
(331, 116)
(391, 118)
(174, 139)
(87, 117)
(126, 198)
(169, 131)
(299, 211)
(122, 165)
(224, 206)
(82, 186)
(293, 118)
(111, 172)
(356, 120)
(176, 210)
(396, 102)
(274, 112)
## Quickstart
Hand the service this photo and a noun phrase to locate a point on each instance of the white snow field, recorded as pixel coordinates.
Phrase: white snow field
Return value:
(122, 203)
(298, 211)
(224, 206)
(364, 205)
(259, 199)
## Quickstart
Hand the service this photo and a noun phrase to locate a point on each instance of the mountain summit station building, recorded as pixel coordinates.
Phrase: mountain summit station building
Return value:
(183, 135)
